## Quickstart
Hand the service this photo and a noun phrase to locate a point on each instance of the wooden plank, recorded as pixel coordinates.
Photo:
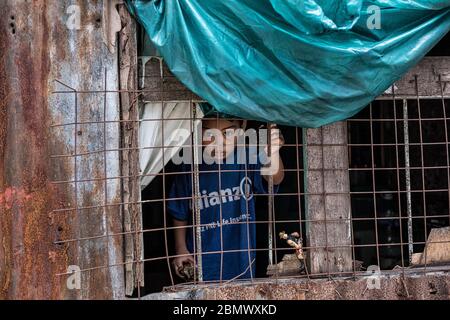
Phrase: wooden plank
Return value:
(437, 248)
(134, 271)
(328, 204)
(167, 87)
(427, 72)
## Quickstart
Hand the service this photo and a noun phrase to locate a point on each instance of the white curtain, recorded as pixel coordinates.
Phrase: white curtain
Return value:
(151, 135)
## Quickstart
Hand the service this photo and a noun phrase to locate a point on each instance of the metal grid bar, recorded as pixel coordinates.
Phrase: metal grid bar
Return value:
(405, 214)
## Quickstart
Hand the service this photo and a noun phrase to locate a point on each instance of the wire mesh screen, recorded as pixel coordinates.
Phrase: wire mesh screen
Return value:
(209, 199)
(399, 177)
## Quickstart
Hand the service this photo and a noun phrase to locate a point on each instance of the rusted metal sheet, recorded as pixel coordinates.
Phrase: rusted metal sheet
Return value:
(40, 42)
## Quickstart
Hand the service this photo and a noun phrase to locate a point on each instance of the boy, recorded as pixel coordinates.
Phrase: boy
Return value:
(226, 202)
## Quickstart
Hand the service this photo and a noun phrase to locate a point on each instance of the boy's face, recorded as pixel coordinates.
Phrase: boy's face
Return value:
(219, 137)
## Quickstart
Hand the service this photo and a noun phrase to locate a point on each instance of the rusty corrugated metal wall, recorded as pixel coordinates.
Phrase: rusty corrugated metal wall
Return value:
(37, 48)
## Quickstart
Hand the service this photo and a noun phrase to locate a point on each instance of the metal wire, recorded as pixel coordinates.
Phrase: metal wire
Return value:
(376, 116)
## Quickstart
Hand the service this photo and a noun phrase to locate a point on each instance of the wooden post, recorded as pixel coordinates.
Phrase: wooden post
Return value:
(328, 207)
(134, 269)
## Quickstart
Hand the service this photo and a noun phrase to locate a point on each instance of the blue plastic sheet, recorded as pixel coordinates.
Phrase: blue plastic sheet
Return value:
(295, 62)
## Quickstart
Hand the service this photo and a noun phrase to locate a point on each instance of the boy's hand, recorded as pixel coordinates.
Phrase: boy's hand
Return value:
(276, 140)
(179, 263)
(275, 167)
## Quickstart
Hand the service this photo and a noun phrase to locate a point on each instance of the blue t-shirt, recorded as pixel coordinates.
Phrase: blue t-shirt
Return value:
(236, 197)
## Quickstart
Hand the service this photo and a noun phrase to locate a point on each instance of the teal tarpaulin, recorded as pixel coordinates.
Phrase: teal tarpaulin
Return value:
(295, 62)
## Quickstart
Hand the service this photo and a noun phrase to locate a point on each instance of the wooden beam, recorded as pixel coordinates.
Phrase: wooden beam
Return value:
(134, 270)
(163, 85)
(328, 203)
(432, 73)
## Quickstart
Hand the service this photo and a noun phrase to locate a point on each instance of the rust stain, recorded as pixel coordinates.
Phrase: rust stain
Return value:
(5, 262)
(14, 196)
(26, 195)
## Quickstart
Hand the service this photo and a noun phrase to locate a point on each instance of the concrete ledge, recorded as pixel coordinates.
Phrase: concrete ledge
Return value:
(432, 283)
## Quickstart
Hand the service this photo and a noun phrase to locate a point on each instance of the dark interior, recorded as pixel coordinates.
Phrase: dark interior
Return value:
(429, 195)
(442, 48)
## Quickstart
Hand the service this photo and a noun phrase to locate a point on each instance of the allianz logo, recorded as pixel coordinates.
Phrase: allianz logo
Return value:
(211, 199)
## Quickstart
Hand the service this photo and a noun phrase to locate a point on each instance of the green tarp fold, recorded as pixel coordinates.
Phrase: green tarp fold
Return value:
(304, 63)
